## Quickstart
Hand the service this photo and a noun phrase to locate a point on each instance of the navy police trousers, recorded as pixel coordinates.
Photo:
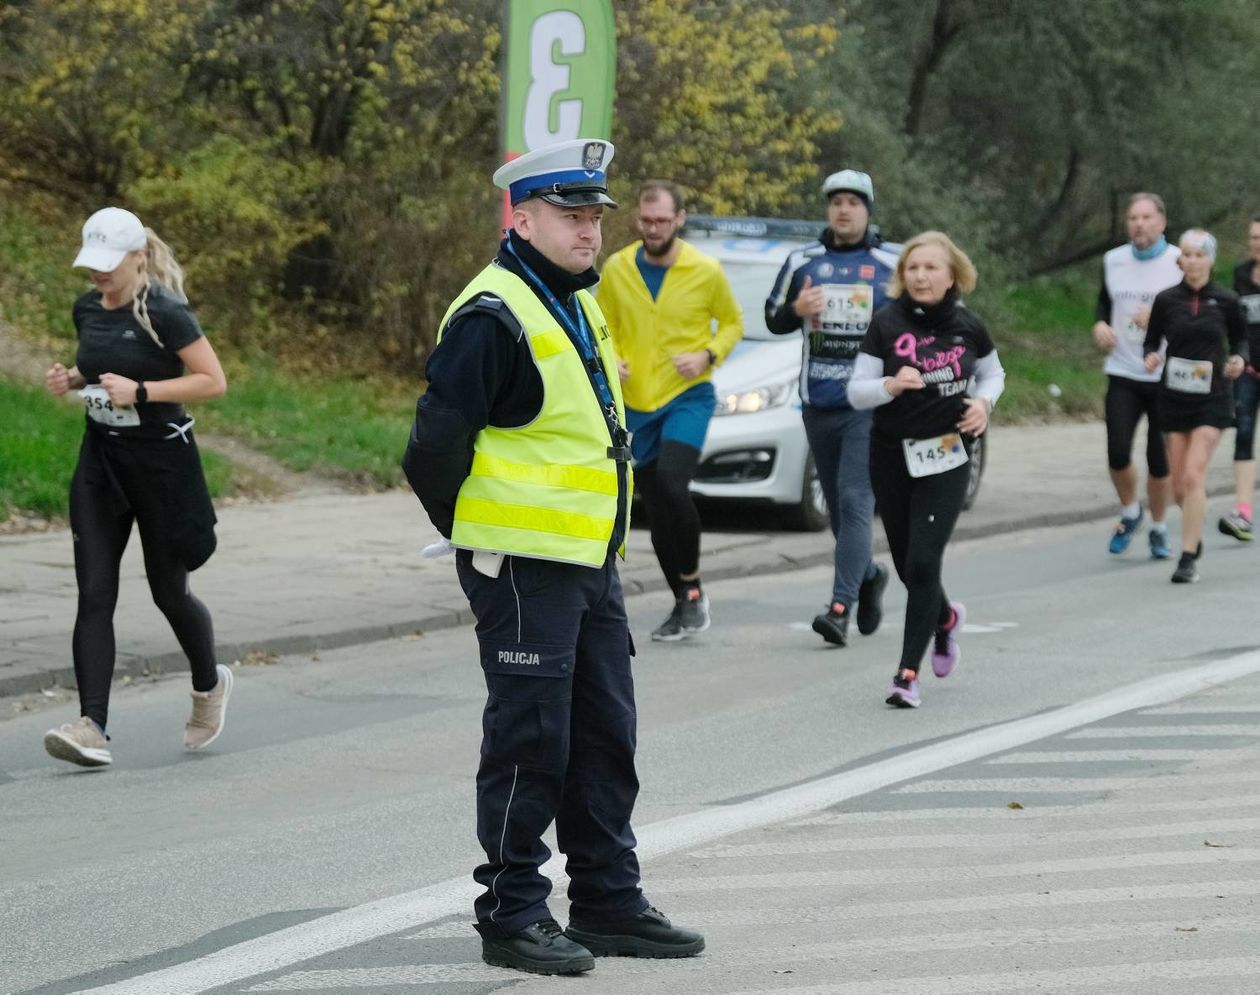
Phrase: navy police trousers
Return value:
(558, 739)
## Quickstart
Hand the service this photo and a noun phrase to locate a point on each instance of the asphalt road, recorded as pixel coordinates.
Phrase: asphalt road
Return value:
(347, 779)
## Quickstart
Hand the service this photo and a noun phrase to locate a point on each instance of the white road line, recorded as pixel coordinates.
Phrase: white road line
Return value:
(1022, 816)
(709, 914)
(1091, 785)
(452, 930)
(1115, 756)
(394, 914)
(1103, 977)
(1136, 732)
(375, 977)
(1110, 864)
(705, 915)
(975, 841)
(1204, 708)
(848, 951)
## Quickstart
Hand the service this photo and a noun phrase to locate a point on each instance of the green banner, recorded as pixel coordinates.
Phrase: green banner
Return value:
(561, 66)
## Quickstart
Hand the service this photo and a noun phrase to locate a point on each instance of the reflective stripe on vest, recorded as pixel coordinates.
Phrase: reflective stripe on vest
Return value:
(547, 489)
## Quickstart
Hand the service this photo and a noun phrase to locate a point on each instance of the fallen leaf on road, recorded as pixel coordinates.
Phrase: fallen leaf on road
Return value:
(1014, 805)
(1186, 929)
(1221, 846)
(259, 658)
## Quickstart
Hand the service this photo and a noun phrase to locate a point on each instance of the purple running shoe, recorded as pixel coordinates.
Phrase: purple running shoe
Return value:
(904, 690)
(945, 652)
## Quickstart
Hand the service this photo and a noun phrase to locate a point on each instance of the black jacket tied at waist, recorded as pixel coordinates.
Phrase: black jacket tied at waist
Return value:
(172, 467)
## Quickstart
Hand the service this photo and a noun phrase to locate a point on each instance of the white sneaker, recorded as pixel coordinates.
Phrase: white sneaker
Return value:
(209, 710)
(79, 743)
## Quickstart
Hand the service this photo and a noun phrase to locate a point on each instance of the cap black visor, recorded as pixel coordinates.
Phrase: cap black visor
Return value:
(572, 195)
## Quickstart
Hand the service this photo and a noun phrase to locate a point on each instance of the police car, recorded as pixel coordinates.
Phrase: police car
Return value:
(756, 448)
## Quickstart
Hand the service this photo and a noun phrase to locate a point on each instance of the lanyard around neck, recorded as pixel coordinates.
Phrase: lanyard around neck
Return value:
(578, 329)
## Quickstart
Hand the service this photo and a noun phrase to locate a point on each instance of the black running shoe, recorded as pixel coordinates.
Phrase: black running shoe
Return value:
(1187, 571)
(671, 630)
(693, 611)
(833, 625)
(870, 609)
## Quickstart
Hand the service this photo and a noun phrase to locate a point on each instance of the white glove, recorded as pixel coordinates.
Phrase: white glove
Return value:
(438, 549)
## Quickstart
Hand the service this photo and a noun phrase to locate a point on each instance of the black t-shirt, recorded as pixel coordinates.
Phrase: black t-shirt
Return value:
(113, 341)
(1204, 326)
(942, 342)
(1248, 292)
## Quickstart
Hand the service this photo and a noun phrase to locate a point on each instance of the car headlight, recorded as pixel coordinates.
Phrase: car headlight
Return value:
(749, 402)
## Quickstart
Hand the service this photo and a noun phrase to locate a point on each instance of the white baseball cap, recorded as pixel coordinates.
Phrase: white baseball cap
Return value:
(567, 174)
(852, 180)
(108, 235)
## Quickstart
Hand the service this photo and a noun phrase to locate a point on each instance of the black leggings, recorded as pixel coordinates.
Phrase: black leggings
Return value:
(672, 515)
(1127, 401)
(100, 537)
(919, 515)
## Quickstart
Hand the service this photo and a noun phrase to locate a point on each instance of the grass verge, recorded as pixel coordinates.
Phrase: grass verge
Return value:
(354, 429)
(1053, 368)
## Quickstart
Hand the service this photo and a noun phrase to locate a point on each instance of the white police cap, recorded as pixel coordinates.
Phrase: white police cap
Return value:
(567, 174)
(852, 180)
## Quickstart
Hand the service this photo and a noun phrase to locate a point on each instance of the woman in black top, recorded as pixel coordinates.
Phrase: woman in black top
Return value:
(1206, 337)
(930, 370)
(138, 463)
(1246, 393)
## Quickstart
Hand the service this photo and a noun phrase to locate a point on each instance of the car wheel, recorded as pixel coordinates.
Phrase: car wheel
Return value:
(975, 468)
(810, 513)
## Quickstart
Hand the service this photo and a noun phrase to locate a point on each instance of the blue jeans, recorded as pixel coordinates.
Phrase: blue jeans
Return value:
(840, 439)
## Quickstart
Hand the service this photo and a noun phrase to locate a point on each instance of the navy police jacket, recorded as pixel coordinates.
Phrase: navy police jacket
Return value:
(854, 279)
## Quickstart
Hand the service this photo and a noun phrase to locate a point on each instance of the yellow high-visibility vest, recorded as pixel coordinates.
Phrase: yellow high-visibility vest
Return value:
(547, 489)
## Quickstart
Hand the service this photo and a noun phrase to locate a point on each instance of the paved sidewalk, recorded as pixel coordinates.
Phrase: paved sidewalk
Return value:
(336, 570)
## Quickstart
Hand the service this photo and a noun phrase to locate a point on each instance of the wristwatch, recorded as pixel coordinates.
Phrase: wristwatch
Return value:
(712, 357)
(142, 393)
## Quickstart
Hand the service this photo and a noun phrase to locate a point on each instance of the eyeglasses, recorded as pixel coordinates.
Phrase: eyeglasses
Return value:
(657, 222)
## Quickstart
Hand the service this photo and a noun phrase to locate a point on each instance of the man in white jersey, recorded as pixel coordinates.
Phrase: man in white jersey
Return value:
(1132, 275)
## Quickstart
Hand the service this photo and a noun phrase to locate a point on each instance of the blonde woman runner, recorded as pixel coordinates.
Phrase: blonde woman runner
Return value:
(141, 356)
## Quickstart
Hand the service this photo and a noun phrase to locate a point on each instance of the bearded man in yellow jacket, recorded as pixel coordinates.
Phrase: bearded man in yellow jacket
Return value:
(674, 318)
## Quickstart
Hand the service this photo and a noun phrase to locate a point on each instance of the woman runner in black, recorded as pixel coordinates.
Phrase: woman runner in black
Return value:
(1203, 325)
(916, 367)
(138, 463)
(1246, 394)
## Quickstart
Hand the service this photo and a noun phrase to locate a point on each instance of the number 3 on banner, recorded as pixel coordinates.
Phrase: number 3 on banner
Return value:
(559, 33)
(561, 68)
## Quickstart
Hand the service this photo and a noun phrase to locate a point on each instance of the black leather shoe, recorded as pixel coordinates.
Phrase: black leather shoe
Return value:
(649, 934)
(541, 948)
(870, 610)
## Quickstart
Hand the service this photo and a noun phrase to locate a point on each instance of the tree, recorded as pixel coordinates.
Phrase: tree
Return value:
(1052, 112)
(708, 95)
(73, 69)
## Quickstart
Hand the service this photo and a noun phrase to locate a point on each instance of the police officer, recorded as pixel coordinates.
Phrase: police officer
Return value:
(520, 457)
(830, 290)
